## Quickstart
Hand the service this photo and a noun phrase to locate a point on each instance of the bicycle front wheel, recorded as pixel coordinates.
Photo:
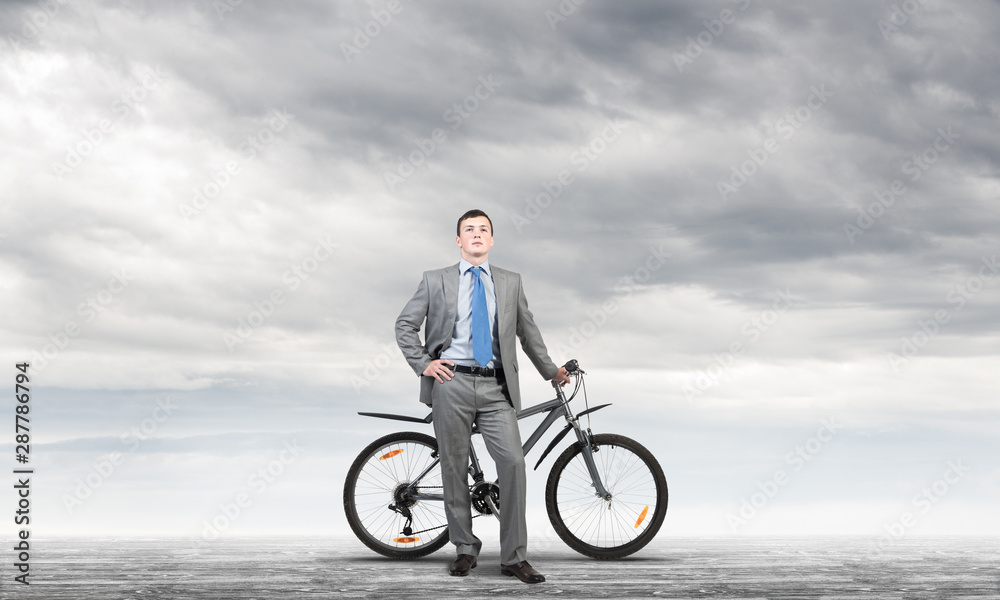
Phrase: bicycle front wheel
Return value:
(377, 496)
(607, 528)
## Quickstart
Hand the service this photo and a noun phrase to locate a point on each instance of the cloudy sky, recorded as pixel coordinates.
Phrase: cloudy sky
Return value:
(768, 231)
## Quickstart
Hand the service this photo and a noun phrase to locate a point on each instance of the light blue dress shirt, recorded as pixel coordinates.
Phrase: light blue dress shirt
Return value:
(460, 350)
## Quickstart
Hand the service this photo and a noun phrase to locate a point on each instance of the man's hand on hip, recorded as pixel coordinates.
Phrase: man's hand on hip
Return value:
(437, 370)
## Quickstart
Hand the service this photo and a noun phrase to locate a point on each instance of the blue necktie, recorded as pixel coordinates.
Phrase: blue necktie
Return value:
(482, 342)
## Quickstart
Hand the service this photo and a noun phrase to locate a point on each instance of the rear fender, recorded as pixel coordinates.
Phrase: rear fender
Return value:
(426, 419)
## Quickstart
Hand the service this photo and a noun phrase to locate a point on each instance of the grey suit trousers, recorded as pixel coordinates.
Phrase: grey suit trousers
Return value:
(457, 404)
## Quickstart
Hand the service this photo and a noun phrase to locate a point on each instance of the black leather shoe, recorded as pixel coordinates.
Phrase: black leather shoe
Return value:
(462, 565)
(523, 571)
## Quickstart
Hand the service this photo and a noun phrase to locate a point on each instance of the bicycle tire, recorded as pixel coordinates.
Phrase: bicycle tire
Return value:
(376, 474)
(596, 527)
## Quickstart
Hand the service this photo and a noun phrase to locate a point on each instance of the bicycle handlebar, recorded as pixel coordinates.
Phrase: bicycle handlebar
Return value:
(573, 369)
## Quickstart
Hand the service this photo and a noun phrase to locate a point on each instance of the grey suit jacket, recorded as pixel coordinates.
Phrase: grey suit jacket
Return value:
(436, 301)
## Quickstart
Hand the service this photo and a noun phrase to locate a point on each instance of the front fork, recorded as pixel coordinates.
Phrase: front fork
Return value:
(587, 447)
(587, 450)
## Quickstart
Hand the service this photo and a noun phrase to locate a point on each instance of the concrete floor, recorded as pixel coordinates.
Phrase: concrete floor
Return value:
(771, 568)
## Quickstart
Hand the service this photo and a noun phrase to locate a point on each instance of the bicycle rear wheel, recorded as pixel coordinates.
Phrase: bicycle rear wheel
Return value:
(600, 528)
(378, 479)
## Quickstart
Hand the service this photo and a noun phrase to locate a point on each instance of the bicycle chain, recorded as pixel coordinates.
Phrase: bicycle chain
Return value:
(440, 526)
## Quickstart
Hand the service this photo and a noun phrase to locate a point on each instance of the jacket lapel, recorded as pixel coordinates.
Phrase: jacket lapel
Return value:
(500, 286)
(451, 275)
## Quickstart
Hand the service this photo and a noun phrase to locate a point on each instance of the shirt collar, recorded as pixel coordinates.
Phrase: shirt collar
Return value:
(464, 266)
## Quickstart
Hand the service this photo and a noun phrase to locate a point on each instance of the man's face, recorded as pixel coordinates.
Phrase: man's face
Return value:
(475, 239)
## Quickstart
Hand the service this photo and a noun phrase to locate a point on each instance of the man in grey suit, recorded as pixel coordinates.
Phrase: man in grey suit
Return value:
(469, 374)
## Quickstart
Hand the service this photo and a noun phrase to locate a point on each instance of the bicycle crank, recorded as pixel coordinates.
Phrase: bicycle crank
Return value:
(486, 498)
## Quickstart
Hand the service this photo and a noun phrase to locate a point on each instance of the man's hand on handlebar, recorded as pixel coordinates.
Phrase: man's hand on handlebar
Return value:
(437, 370)
(561, 378)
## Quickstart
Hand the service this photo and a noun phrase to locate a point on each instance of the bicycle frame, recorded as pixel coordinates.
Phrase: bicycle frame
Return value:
(557, 407)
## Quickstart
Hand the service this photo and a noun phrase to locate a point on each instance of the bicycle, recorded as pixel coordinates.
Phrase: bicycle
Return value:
(606, 495)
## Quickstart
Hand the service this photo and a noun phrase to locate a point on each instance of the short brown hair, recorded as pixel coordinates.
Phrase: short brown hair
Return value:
(475, 212)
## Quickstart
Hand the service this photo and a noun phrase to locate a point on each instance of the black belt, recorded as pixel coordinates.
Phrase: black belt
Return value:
(478, 371)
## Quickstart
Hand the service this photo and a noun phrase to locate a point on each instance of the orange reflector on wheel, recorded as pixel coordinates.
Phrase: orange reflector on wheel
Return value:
(390, 454)
(642, 517)
(406, 540)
